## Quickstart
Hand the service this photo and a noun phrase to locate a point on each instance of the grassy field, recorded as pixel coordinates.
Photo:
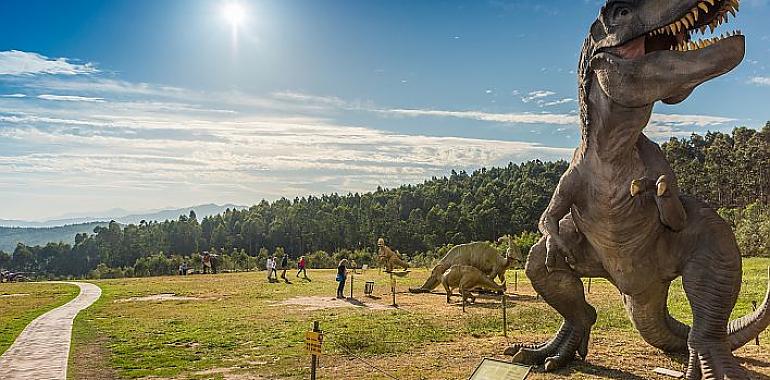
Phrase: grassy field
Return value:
(20, 303)
(235, 326)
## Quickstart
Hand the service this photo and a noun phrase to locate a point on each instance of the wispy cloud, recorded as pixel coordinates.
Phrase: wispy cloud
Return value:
(515, 118)
(13, 96)
(760, 81)
(70, 98)
(14, 62)
(535, 95)
(559, 102)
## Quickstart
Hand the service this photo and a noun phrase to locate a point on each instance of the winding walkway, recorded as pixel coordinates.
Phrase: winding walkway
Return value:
(42, 350)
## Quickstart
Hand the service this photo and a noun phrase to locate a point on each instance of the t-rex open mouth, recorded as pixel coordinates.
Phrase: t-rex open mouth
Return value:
(678, 35)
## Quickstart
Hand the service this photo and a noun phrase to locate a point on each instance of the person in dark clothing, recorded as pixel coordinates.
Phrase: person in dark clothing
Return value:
(342, 275)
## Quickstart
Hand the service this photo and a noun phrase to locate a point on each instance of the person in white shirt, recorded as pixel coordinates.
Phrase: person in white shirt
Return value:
(270, 266)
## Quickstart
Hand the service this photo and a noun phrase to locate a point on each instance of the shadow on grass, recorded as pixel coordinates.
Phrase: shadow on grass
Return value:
(754, 362)
(593, 369)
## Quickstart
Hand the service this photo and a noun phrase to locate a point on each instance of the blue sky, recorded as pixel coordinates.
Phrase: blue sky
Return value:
(147, 104)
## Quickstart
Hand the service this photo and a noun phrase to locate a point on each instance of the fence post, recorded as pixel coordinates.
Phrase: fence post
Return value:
(505, 316)
(754, 306)
(352, 274)
(515, 280)
(314, 358)
(393, 289)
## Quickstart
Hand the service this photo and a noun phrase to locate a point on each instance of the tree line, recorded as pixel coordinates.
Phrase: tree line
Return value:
(730, 171)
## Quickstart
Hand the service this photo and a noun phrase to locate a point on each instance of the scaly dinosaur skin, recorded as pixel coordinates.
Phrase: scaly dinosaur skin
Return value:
(479, 255)
(593, 227)
(389, 258)
(467, 278)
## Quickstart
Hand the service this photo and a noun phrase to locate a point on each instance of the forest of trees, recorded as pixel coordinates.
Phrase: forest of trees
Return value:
(730, 171)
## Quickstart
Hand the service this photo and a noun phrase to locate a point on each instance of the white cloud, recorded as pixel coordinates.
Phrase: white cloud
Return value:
(760, 81)
(70, 98)
(559, 102)
(535, 95)
(15, 62)
(522, 118)
(14, 96)
(685, 120)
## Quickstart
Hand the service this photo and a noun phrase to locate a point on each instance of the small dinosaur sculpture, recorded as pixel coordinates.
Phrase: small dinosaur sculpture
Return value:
(389, 258)
(467, 278)
(479, 255)
(637, 53)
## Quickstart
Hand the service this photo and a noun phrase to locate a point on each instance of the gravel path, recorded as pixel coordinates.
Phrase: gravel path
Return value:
(42, 350)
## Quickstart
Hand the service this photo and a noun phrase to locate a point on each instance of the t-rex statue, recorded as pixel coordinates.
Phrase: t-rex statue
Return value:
(480, 255)
(467, 278)
(639, 52)
(389, 258)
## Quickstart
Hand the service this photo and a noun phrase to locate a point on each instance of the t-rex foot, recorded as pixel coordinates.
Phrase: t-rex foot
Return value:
(557, 352)
(714, 361)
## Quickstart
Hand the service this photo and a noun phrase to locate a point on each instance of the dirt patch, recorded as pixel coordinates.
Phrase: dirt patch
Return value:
(228, 374)
(14, 295)
(160, 298)
(321, 303)
(90, 360)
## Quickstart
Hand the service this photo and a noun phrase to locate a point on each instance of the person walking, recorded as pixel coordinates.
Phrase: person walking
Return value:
(301, 264)
(270, 266)
(342, 275)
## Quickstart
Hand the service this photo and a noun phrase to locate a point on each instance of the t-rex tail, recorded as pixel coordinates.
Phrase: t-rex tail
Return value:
(742, 330)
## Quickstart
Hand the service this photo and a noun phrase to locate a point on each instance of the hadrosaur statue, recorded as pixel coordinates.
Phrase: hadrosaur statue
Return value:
(637, 53)
(467, 278)
(389, 258)
(480, 255)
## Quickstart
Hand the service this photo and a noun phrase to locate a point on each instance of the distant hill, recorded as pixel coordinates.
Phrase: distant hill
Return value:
(122, 216)
(10, 236)
(64, 230)
(201, 211)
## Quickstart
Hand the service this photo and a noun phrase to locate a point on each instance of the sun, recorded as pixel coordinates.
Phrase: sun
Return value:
(233, 13)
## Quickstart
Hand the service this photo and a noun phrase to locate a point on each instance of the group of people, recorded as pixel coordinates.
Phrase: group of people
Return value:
(272, 268)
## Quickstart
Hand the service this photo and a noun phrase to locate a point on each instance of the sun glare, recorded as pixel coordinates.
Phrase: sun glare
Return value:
(233, 13)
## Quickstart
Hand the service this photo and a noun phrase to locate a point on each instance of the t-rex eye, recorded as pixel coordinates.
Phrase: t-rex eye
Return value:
(624, 12)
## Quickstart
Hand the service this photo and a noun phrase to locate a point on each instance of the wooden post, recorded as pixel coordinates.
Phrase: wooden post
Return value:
(754, 306)
(314, 358)
(589, 285)
(515, 280)
(393, 289)
(351, 282)
(505, 315)
(462, 295)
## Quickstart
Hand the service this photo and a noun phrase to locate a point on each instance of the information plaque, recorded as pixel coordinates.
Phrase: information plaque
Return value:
(493, 369)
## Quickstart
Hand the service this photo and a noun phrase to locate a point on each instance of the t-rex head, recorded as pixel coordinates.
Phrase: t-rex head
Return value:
(642, 51)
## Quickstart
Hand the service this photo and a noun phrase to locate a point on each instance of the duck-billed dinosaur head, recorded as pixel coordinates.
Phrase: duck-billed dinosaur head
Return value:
(642, 51)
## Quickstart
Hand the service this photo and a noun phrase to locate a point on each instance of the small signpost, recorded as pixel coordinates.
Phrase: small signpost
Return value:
(493, 369)
(313, 342)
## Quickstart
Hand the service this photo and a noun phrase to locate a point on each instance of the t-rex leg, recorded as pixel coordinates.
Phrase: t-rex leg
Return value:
(562, 289)
(712, 281)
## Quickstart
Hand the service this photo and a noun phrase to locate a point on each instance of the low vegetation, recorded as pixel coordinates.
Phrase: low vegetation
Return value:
(237, 326)
(20, 303)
